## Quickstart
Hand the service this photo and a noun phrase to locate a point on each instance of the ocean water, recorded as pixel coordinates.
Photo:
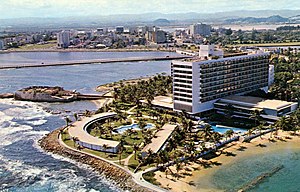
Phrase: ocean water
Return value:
(234, 176)
(24, 166)
(11, 59)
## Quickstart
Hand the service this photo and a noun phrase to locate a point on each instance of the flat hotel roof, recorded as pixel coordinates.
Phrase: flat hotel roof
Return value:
(77, 130)
(259, 102)
(160, 138)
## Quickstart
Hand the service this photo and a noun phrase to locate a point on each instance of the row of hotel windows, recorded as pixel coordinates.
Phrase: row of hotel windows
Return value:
(182, 66)
(182, 99)
(234, 91)
(231, 78)
(230, 75)
(183, 90)
(229, 86)
(182, 81)
(183, 86)
(235, 61)
(182, 95)
(180, 71)
(236, 84)
(236, 67)
(251, 68)
(233, 74)
(183, 76)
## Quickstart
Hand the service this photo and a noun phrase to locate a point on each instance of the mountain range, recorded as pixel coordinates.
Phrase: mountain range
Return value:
(150, 18)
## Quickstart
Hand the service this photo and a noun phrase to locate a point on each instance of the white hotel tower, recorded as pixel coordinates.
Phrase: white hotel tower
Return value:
(199, 83)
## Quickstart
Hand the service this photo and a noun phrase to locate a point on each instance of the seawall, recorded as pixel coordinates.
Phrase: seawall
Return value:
(95, 61)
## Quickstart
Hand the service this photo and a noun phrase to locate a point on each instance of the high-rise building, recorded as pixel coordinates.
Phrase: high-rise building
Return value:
(63, 39)
(200, 29)
(198, 83)
(159, 36)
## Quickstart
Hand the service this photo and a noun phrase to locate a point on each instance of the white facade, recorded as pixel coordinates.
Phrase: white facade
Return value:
(198, 84)
(63, 39)
(271, 75)
(207, 51)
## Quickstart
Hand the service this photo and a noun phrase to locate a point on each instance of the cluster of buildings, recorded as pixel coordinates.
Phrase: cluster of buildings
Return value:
(14, 41)
(118, 37)
(214, 81)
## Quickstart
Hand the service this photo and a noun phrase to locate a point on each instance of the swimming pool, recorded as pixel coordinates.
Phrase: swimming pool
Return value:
(134, 126)
(223, 129)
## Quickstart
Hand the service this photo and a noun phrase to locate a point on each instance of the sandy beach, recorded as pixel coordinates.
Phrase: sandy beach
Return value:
(198, 176)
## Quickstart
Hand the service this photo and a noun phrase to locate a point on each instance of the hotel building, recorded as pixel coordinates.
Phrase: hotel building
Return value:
(199, 82)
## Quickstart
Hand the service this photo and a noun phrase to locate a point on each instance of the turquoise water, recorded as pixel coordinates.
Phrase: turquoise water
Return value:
(224, 129)
(234, 176)
(134, 126)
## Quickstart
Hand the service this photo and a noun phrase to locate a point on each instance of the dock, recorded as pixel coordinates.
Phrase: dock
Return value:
(95, 61)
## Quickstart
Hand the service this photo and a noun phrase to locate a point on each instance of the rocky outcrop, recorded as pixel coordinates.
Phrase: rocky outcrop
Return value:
(120, 177)
(45, 94)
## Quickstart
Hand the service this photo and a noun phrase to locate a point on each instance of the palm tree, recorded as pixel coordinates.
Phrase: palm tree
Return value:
(105, 147)
(255, 115)
(207, 131)
(121, 149)
(68, 121)
(216, 137)
(75, 116)
(283, 123)
(75, 139)
(135, 149)
(142, 124)
(229, 133)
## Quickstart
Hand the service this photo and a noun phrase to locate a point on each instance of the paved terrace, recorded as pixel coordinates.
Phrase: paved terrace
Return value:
(160, 138)
(78, 129)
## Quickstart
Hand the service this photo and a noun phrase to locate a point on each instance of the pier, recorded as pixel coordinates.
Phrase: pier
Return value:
(95, 61)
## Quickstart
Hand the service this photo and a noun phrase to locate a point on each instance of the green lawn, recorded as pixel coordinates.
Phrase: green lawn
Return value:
(133, 163)
(36, 46)
(130, 140)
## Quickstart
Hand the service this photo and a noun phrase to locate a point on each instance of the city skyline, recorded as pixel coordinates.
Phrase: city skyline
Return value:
(65, 8)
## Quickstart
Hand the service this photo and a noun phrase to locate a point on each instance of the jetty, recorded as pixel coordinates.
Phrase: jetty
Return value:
(95, 61)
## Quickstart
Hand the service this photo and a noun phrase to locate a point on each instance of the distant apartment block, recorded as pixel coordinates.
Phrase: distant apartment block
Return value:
(156, 36)
(200, 29)
(199, 82)
(1, 44)
(63, 39)
(120, 29)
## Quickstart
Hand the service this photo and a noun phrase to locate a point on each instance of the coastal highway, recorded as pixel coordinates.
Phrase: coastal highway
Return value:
(94, 61)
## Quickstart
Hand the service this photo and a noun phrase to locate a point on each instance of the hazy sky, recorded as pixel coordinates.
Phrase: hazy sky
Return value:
(60, 8)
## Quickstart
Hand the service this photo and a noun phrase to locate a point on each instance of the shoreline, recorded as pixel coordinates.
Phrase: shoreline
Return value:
(121, 178)
(199, 177)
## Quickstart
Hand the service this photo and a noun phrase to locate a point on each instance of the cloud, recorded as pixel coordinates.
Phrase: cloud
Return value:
(25, 8)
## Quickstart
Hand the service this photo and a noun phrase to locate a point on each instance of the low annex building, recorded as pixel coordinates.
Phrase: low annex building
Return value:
(159, 140)
(84, 139)
(243, 107)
